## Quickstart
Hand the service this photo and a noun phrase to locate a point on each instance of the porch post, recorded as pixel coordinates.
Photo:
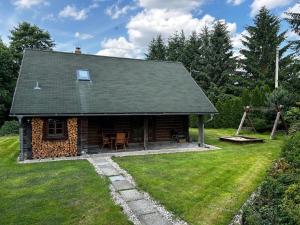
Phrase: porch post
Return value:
(21, 138)
(145, 132)
(201, 131)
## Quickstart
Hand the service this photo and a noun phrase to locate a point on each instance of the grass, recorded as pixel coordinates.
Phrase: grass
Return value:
(206, 187)
(66, 192)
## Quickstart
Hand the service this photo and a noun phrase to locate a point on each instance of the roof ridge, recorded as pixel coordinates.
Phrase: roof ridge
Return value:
(103, 56)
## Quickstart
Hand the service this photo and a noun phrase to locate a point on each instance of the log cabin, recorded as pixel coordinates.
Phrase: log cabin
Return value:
(67, 103)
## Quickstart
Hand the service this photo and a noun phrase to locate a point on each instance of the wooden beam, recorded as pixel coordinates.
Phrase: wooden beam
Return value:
(146, 133)
(245, 115)
(201, 131)
(21, 137)
(275, 125)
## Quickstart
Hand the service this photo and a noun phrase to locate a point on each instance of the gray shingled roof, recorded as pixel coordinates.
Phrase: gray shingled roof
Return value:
(117, 86)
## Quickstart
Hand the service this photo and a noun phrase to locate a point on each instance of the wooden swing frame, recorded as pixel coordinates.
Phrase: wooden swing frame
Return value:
(279, 116)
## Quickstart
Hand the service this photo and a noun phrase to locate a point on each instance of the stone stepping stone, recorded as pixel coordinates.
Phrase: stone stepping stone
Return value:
(141, 207)
(116, 178)
(154, 219)
(131, 195)
(100, 160)
(109, 171)
(122, 185)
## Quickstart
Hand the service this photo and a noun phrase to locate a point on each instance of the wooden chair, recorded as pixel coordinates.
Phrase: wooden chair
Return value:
(120, 140)
(106, 141)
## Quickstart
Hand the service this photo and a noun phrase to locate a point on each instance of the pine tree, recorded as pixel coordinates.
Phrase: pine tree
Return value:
(202, 66)
(216, 63)
(294, 20)
(176, 46)
(260, 49)
(191, 52)
(156, 49)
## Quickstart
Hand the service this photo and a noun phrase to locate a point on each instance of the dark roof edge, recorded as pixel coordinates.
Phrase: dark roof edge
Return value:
(103, 56)
(216, 111)
(111, 114)
(17, 83)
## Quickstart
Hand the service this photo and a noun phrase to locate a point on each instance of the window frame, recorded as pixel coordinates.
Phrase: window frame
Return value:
(83, 79)
(58, 128)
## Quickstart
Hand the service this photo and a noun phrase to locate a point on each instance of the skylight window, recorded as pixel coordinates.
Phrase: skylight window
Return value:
(83, 75)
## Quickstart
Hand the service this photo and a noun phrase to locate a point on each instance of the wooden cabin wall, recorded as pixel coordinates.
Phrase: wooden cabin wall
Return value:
(159, 127)
(164, 125)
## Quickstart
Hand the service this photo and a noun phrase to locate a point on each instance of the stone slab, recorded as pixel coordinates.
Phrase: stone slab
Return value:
(154, 219)
(109, 170)
(122, 185)
(98, 160)
(116, 178)
(131, 195)
(141, 207)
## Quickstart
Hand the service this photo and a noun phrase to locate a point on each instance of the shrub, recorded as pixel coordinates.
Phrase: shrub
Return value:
(295, 127)
(293, 115)
(9, 127)
(278, 202)
(291, 151)
(230, 113)
(281, 96)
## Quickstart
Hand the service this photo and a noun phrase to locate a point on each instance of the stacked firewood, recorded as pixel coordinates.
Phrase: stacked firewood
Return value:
(43, 148)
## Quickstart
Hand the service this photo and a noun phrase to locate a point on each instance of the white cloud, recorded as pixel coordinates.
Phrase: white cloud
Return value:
(83, 36)
(237, 44)
(27, 4)
(270, 4)
(115, 11)
(150, 22)
(119, 47)
(235, 2)
(294, 9)
(72, 12)
(171, 4)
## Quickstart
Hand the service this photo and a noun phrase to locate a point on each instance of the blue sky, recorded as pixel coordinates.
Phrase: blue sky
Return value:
(124, 28)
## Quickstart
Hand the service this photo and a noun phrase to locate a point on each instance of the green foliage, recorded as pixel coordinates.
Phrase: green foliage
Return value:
(9, 128)
(291, 202)
(260, 49)
(294, 127)
(281, 96)
(176, 46)
(278, 202)
(292, 115)
(8, 76)
(156, 49)
(216, 63)
(294, 19)
(230, 112)
(25, 36)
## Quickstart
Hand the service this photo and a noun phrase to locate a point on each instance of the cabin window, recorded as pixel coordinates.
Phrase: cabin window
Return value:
(56, 129)
(83, 75)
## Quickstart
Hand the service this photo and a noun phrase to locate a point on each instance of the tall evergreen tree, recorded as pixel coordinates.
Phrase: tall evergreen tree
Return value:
(294, 19)
(8, 71)
(191, 52)
(156, 49)
(176, 45)
(216, 63)
(202, 66)
(260, 49)
(26, 35)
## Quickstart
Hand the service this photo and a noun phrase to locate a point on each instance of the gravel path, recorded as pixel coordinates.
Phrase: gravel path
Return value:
(137, 205)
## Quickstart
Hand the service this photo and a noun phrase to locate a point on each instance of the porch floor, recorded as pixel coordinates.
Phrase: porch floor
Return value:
(153, 148)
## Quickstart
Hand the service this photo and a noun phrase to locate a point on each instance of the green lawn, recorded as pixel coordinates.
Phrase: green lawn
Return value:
(68, 192)
(206, 187)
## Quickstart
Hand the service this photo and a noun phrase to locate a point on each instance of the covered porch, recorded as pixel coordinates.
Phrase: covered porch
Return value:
(99, 134)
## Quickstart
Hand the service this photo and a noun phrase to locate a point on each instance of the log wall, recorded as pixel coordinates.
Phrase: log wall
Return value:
(42, 148)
